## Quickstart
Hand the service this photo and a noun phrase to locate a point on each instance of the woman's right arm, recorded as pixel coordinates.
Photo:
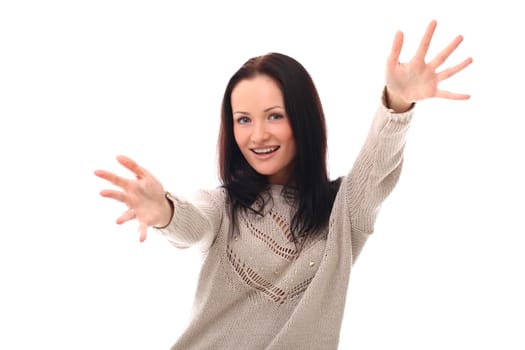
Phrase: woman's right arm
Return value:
(184, 223)
(195, 222)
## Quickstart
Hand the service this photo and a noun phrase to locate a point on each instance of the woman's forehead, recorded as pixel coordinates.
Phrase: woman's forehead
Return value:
(259, 92)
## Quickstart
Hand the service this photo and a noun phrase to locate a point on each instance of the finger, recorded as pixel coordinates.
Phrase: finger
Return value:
(445, 53)
(131, 165)
(451, 95)
(425, 42)
(117, 195)
(447, 73)
(114, 179)
(128, 215)
(143, 229)
(395, 52)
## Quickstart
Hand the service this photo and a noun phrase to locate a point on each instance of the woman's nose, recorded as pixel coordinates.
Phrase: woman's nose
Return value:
(259, 133)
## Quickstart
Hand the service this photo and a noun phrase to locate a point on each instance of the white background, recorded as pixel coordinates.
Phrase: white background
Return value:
(83, 81)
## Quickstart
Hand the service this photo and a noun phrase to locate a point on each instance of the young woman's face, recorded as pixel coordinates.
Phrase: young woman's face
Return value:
(262, 129)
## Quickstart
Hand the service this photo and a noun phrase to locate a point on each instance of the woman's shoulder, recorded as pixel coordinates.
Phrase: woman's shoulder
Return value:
(216, 196)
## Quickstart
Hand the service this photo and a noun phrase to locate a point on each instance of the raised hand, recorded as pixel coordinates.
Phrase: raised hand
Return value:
(417, 80)
(144, 196)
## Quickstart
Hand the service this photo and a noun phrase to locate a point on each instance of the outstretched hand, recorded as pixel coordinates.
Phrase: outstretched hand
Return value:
(144, 196)
(417, 80)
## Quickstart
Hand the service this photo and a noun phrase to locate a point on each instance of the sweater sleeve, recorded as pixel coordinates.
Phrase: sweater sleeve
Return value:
(195, 222)
(374, 174)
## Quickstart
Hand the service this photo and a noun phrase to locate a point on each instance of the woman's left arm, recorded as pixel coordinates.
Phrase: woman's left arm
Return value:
(378, 166)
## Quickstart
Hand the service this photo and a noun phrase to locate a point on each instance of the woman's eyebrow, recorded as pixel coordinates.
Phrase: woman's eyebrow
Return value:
(240, 112)
(265, 110)
(270, 108)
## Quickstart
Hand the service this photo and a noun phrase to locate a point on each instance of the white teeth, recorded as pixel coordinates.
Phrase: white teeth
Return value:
(265, 150)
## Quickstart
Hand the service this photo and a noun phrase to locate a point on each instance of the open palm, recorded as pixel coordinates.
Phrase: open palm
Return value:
(417, 79)
(143, 196)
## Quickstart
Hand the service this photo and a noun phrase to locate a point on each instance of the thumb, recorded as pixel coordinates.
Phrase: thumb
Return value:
(143, 229)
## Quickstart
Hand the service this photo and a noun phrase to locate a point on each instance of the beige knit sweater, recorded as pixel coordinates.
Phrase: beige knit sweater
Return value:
(256, 291)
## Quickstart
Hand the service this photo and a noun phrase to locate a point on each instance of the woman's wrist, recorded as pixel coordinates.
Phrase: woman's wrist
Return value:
(395, 103)
(167, 212)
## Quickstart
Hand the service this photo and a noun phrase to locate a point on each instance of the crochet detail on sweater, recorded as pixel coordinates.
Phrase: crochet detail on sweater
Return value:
(283, 225)
(289, 254)
(282, 284)
(254, 280)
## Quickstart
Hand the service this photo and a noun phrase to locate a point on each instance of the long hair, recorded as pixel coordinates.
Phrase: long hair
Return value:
(314, 193)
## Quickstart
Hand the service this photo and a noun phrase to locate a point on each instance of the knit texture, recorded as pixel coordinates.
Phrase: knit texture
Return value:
(255, 290)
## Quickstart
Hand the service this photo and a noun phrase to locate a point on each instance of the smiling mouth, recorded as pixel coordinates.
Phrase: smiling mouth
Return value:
(265, 150)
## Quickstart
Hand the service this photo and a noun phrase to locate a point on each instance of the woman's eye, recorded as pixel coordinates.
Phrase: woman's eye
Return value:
(243, 120)
(276, 116)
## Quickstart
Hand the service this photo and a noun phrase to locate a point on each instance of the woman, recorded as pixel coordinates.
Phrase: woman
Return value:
(279, 238)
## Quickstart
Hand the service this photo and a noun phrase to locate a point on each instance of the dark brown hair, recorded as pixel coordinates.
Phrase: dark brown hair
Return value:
(314, 193)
